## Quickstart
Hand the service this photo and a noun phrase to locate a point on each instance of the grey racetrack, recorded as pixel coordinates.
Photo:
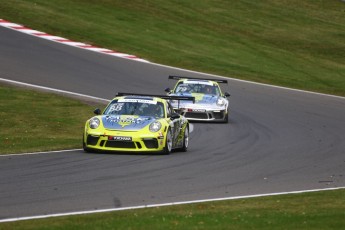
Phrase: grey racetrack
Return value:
(277, 139)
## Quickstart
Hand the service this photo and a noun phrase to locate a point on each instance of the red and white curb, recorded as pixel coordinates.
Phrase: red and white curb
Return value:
(65, 41)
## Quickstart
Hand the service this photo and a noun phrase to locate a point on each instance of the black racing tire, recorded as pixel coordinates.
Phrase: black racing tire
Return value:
(226, 118)
(86, 149)
(185, 139)
(168, 143)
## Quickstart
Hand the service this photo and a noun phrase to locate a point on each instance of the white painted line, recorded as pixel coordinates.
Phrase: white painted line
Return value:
(120, 54)
(71, 43)
(164, 204)
(30, 31)
(52, 89)
(9, 24)
(36, 153)
(51, 37)
(98, 49)
(249, 82)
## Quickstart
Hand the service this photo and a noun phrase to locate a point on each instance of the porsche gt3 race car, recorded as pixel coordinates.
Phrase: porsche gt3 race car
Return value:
(210, 103)
(137, 123)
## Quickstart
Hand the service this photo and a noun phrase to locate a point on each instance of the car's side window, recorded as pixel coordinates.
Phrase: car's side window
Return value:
(177, 87)
(218, 91)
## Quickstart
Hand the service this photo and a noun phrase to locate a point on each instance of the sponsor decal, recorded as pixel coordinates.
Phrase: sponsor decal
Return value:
(191, 81)
(125, 120)
(138, 100)
(115, 107)
(199, 110)
(198, 97)
(119, 138)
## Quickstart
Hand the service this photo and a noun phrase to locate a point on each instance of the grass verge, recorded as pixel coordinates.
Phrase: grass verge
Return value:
(317, 210)
(298, 44)
(33, 121)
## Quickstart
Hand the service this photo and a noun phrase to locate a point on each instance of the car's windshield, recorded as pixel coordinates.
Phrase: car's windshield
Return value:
(197, 88)
(140, 107)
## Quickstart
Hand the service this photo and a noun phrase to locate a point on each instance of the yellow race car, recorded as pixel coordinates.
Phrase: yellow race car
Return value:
(137, 123)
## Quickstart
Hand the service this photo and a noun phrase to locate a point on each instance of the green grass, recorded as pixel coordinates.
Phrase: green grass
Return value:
(317, 210)
(297, 44)
(34, 121)
(294, 43)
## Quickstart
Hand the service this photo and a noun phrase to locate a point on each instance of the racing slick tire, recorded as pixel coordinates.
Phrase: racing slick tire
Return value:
(185, 139)
(168, 143)
(87, 150)
(226, 118)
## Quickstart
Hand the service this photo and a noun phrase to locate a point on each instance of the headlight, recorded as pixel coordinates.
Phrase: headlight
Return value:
(155, 126)
(94, 123)
(220, 102)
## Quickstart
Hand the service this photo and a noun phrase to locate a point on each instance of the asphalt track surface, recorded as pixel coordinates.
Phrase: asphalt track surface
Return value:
(277, 140)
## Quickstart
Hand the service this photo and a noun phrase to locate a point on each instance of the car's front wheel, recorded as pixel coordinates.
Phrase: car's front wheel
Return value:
(185, 139)
(86, 149)
(168, 143)
(226, 118)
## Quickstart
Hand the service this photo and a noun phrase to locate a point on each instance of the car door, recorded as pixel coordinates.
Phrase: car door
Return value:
(175, 124)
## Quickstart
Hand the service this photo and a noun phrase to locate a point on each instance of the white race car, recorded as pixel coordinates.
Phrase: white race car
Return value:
(210, 103)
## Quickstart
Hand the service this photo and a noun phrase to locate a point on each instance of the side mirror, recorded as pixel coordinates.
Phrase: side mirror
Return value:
(174, 116)
(226, 94)
(168, 90)
(97, 111)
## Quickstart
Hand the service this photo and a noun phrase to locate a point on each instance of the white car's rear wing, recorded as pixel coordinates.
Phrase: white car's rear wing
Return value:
(178, 98)
(202, 79)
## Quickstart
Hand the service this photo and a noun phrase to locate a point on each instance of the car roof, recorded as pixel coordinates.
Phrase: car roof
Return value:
(202, 82)
(149, 98)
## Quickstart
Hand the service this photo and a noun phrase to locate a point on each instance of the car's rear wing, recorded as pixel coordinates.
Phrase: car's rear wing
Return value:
(194, 78)
(178, 98)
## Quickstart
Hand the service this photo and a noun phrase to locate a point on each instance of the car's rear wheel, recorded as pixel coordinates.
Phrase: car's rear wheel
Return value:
(168, 143)
(185, 139)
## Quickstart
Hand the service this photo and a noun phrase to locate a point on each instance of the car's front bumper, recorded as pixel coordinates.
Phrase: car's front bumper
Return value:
(124, 141)
(203, 114)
